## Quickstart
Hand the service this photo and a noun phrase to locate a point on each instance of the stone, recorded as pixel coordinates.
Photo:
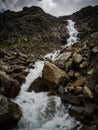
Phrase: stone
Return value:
(78, 89)
(38, 86)
(95, 49)
(77, 74)
(87, 92)
(60, 60)
(77, 58)
(90, 72)
(53, 77)
(68, 65)
(61, 90)
(76, 111)
(9, 86)
(10, 113)
(94, 35)
(75, 100)
(84, 64)
(71, 73)
(80, 81)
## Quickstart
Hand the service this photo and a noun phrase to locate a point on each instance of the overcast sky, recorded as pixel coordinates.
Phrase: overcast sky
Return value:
(54, 7)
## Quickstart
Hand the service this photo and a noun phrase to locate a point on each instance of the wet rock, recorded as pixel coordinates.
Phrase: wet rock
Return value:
(76, 111)
(77, 58)
(38, 86)
(53, 77)
(9, 86)
(60, 61)
(84, 64)
(75, 100)
(10, 113)
(87, 92)
(61, 90)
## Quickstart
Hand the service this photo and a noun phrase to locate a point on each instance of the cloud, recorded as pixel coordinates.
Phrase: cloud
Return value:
(54, 7)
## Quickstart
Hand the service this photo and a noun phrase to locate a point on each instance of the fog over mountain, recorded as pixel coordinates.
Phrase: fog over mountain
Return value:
(54, 7)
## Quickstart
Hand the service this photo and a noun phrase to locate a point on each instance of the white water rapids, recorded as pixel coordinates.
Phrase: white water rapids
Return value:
(42, 112)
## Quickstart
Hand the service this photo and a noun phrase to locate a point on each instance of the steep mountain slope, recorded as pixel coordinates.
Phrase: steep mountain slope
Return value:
(31, 25)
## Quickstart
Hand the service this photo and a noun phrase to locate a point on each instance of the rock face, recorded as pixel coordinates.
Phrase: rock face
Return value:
(53, 77)
(9, 87)
(10, 113)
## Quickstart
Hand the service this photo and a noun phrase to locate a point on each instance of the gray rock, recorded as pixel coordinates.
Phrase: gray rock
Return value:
(94, 35)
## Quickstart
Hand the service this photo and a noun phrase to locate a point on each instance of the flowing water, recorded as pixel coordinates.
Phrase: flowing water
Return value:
(42, 112)
(72, 33)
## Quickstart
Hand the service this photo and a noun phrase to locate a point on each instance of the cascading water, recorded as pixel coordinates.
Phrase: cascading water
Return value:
(42, 112)
(72, 33)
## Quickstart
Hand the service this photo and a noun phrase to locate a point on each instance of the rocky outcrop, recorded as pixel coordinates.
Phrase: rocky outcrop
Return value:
(10, 113)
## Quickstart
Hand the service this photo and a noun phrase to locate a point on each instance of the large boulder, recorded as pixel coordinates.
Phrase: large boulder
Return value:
(10, 113)
(9, 87)
(53, 77)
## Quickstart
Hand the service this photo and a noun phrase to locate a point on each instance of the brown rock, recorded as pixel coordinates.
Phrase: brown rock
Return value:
(84, 64)
(80, 81)
(90, 72)
(68, 65)
(53, 77)
(77, 58)
(87, 92)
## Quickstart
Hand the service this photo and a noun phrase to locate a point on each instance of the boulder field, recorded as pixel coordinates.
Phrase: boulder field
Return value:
(73, 76)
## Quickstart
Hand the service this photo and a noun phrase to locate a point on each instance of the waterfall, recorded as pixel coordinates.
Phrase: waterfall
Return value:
(72, 33)
(42, 112)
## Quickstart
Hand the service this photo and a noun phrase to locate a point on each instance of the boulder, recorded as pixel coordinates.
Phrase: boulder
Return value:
(60, 61)
(38, 86)
(53, 77)
(9, 87)
(77, 58)
(10, 113)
